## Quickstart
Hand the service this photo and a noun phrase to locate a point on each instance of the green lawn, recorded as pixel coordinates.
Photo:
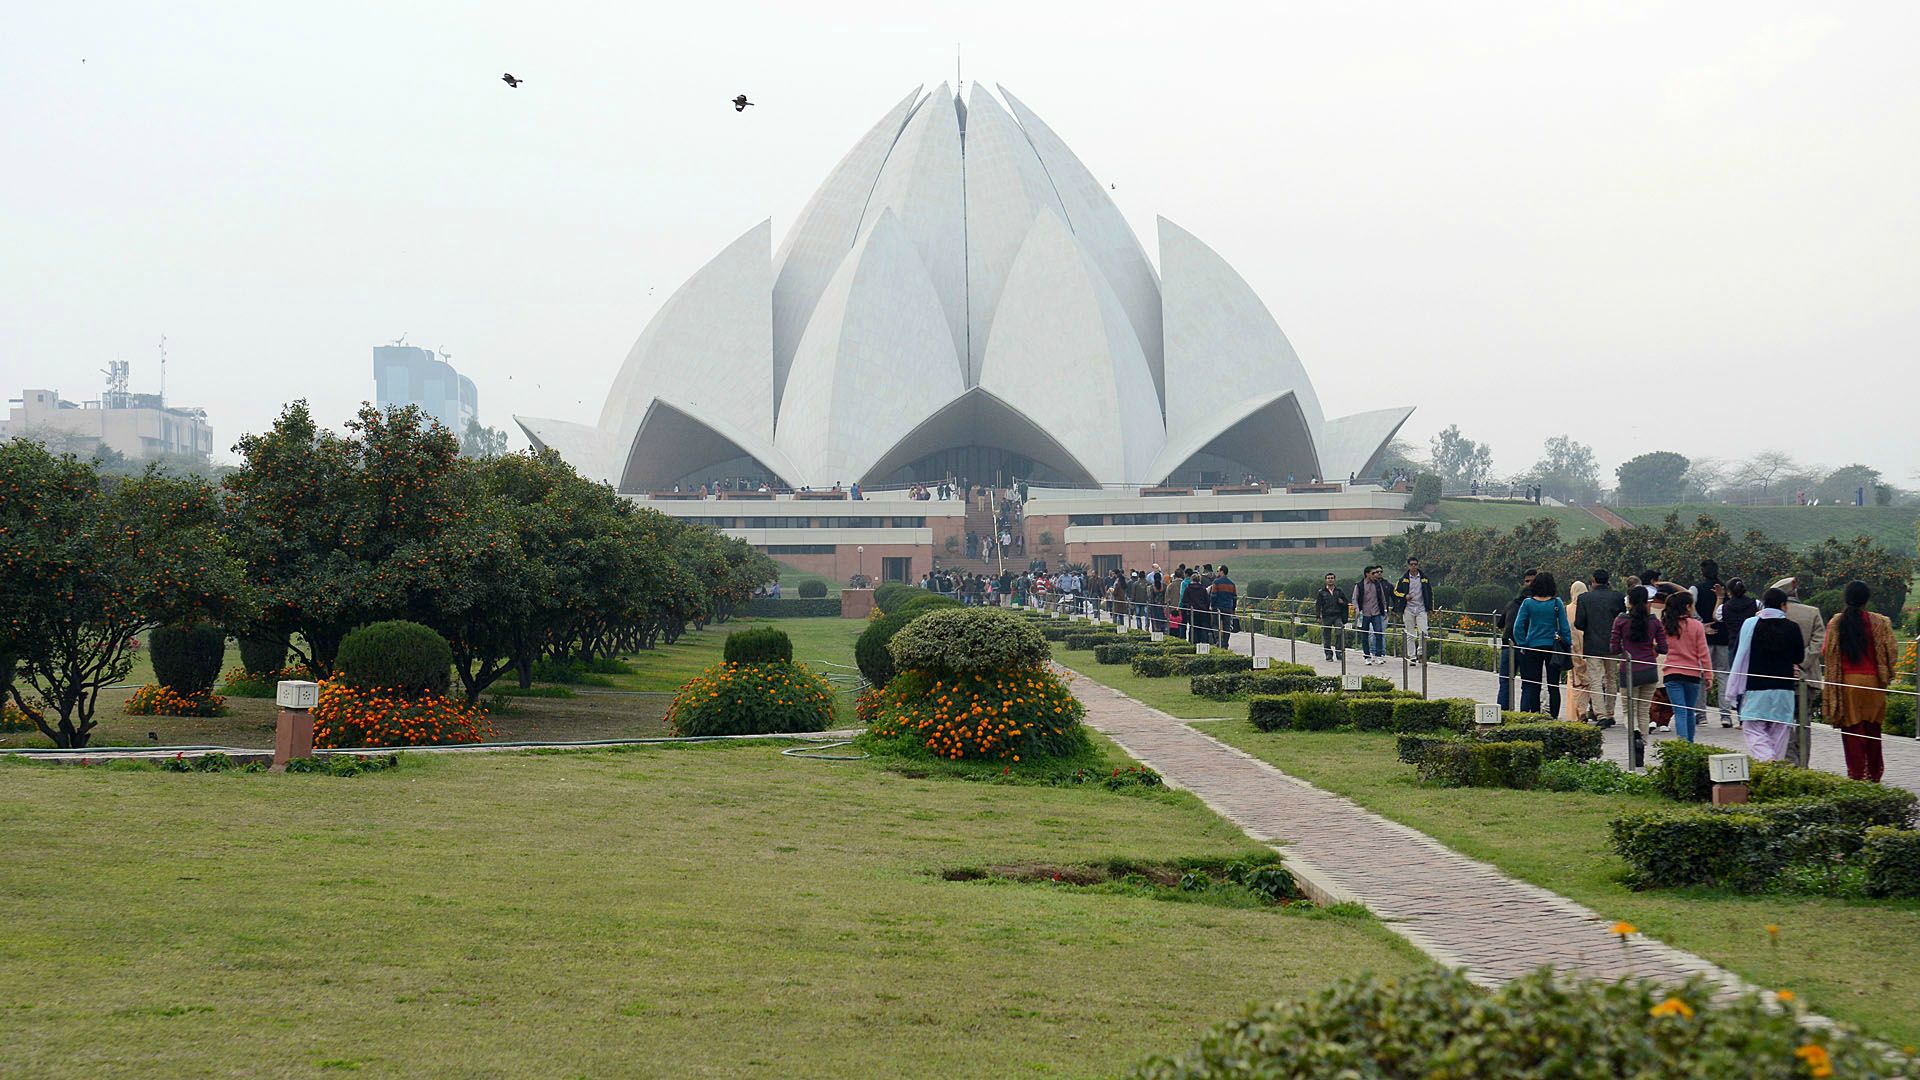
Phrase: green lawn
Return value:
(792, 577)
(1798, 526)
(1857, 961)
(1575, 524)
(710, 911)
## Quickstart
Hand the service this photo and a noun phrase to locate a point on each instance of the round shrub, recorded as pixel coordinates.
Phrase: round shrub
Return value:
(1302, 588)
(969, 639)
(759, 645)
(922, 601)
(186, 658)
(870, 651)
(1829, 601)
(396, 655)
(1447, 596)
(751, 699)
(1261, 588)
(813, 589)
(353, 716)
(1486, 599)
(1019, 717)
(263, 655)
(887, 596)
(1436, 1023)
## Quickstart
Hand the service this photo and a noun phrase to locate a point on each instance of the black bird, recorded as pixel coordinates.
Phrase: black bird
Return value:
(740, 103)
(509, 79)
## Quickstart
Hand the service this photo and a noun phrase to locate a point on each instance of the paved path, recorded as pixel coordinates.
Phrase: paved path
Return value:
(1902, 754)
(1463, 913)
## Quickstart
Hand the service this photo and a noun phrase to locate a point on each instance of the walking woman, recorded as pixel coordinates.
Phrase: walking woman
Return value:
(1639, 640)
(1540, 630)
(1689, 662)
(1761, 682)
(1859, 661)
(1578, 705)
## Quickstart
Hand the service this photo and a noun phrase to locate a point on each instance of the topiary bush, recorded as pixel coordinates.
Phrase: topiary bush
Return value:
(1416, 716)
(186, 658)
(893, 593)
(1892, 861)
(980, 639)
(1560, 739)
(1371, 713)
(1467, 762)
(1697, 846)
(759, 645)
(1682, 772)
(1436, 1023)
(1318, 712)
(1154, 665)
(751, 699)
(814, 589)
(1411, 748)
(263, 655)
(870, 651)
(396, 655)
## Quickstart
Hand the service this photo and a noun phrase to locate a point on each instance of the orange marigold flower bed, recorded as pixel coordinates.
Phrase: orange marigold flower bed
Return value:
(156, 700)
(751, 699)
(1010, 716)
(354, 716)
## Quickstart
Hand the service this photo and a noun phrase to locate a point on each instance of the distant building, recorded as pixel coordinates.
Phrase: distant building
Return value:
(410, 375)
(134, 425)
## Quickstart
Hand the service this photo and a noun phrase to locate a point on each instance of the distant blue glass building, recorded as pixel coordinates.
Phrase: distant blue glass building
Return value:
(410, 375)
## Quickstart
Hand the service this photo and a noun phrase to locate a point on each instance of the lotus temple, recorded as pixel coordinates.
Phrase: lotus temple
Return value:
(961, 298)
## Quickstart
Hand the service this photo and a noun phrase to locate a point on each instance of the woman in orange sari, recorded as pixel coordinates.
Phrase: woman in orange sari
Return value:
(1859, 660)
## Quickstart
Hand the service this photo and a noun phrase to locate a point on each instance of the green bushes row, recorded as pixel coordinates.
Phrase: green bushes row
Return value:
(1892, 861)
(1280, 679)
(1170, 662)
(1560, 740)
(1312, 710)
(1125, 650)
(1436, 1023)
(804, 608)
(1467, 655)
(1472, 762)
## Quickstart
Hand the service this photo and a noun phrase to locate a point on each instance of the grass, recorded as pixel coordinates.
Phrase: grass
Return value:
(792, 577)
(1797, 526)
(710, 911)
(1575, 524)
(1851, 960)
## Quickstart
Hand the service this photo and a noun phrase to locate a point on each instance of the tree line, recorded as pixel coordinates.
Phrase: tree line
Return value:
(512, 558)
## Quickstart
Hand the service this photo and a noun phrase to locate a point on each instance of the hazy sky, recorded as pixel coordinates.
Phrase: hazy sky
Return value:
(1643, 225)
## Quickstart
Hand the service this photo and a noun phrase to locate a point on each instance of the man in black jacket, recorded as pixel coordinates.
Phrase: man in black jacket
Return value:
(1593, 616)
(1504, 621)
(1330, 604)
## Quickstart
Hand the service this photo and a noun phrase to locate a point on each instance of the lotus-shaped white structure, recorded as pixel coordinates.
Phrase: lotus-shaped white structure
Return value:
(962, 297)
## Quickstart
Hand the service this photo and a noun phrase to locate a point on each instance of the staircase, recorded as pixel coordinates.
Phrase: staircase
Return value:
(980, 522)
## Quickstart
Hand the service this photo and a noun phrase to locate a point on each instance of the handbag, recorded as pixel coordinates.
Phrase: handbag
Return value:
(1560, 661)
(1633, 673)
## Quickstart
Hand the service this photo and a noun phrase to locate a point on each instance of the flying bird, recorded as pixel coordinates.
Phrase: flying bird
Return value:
(740, 103)
(510, 80)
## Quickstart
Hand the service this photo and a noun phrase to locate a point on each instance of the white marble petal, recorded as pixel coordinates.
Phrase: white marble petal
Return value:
(876, 361)
(1062, 339)
(819, 239)
(1223, 349)
(1103, 231)
(1351, 445)
(922, 186)
(709, 348)
(587, 448)
(1006, 187)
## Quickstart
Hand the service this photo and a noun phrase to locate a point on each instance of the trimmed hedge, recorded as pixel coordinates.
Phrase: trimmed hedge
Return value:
(1228, 686)
(1892, 861)
(1082, 642)
(766, 608)
(1421, 717)
(758, 645)
(186, 658)
(976, 639)
(893, 593)
(1371, 713)
(1467, 655)
(1468, 762)
(1298, 711)
(1698, 846)
(395, 655)
(1560, 739)
(1410, 747)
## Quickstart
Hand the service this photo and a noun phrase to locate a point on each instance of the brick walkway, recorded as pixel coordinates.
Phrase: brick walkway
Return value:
(1902, 754)
(1461, 912)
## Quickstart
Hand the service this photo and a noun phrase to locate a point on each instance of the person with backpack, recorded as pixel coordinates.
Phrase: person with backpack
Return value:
(1540, 637)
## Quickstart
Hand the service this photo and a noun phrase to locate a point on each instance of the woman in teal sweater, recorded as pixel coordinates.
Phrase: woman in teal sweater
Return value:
(1540, 628)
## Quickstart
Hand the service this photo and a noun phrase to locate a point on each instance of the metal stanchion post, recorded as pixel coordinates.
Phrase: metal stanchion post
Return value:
(1293, 640)
(1802, 724)
(1423, 677)
(1343, 661)
(1406, 680)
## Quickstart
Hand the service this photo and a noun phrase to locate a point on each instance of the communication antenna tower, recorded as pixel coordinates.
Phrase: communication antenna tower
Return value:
(402, 339)
(445, 355)
(116, 395)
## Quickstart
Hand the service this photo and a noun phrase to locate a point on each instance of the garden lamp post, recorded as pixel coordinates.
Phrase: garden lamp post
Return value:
(860, 553)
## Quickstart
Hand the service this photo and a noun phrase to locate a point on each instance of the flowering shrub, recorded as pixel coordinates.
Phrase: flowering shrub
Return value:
(357, 716)
(751, 699)
(13, 720)
(1015, 716)
(239, 682)
(1438, 1024)
(154, 699)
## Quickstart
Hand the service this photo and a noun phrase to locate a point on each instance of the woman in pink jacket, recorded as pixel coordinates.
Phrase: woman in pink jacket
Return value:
(1689, 662)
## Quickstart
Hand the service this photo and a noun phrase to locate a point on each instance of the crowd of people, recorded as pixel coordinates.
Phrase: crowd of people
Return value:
(1198, 603)
(1655, 652)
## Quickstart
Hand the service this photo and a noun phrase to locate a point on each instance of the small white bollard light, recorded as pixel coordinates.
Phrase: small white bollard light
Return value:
(1202, 649)
(1486, 715)
(1157, 636)
(1262, 663)
(1054, 614)
(1729, 773)
(1350, 682)
(293, 727)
